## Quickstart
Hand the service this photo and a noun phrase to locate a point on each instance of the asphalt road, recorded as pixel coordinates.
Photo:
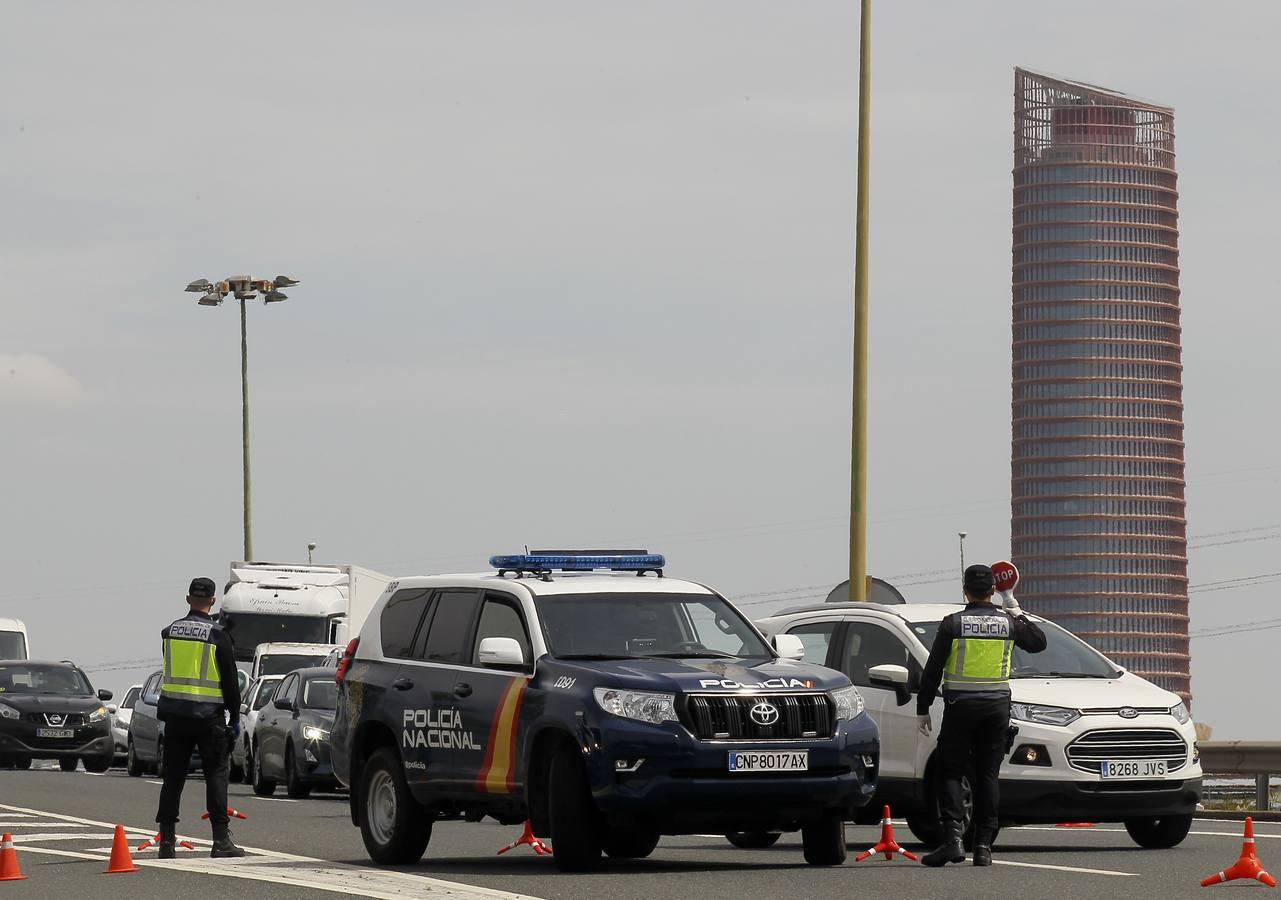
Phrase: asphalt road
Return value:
(62, 824)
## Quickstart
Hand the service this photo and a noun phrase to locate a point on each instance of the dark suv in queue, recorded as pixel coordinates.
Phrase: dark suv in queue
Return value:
(48, 710)
(606, 708)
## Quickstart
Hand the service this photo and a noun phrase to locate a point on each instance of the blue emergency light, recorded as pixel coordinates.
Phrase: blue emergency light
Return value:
(543, 561)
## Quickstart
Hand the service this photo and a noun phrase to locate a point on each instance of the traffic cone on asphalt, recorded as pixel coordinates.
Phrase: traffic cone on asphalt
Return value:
(121, 861)
(1247, 866)
(527, 837)
(886, 844)
(231, 814)
(9, 868)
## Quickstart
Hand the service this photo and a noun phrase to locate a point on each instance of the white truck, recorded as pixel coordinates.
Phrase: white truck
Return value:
(13, 639)
(296, 603)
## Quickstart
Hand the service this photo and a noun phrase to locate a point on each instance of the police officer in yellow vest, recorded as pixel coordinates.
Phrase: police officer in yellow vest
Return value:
(200, 706)
(971, 657)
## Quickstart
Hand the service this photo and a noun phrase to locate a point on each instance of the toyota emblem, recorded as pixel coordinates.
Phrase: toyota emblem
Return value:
(764, 713)
(1128, 712)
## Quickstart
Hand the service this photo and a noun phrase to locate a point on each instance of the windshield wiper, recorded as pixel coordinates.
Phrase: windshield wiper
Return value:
(1058, 675)
(702, 654)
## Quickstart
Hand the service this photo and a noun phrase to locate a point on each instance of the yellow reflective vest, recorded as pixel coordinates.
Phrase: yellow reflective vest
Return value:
(980, 655)
(191, 669)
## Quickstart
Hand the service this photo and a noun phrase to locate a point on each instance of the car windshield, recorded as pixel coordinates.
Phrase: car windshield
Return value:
(320, 693)
(640, 625)
(38, 679)
(264, 693)
(283, 664)
(12, 645)
(1065, 655)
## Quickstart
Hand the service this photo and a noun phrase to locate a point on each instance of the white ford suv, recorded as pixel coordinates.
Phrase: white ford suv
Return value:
(1095, 743)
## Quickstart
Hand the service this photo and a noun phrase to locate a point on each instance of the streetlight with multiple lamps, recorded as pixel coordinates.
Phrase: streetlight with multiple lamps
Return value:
(243, 288)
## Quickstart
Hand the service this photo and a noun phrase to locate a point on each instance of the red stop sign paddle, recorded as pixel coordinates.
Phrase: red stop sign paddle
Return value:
(1005, 575)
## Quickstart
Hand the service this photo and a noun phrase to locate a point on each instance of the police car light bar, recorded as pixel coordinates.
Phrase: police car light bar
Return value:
(540, 562)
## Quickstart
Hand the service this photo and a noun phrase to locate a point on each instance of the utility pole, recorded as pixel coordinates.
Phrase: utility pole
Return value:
(961, 535)
(244, 289)
(858, 443)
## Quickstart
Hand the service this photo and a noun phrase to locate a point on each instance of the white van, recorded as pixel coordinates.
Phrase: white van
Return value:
(13, 639)
(281, 657)
(1095, 743)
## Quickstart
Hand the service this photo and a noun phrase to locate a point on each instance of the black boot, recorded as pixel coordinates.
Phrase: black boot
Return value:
(168, 841)
(982, 855)
(950, 850)
(223, 848)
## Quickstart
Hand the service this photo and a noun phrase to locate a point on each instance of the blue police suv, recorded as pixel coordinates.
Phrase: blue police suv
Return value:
(606, 704)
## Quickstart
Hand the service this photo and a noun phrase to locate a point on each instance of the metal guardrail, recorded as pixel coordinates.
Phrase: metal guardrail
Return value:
(1262, 759)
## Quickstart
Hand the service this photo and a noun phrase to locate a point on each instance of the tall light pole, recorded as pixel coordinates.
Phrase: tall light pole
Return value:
(961, 535)
(243, 288)
(858, 462)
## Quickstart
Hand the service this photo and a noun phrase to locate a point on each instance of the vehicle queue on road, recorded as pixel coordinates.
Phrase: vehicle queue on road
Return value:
(608, 706)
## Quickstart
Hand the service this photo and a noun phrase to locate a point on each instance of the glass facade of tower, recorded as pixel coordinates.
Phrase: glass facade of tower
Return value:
(1098, 521)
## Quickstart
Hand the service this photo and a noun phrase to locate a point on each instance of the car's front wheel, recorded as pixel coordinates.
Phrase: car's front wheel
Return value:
(1159, 832)
(133, 765)
(263, 786)
(753, 840)
(295, 787)
(629, 843)
(575, 822)
(395, 827)
(824, 841)
(22, 762)
(99, 764)
(68, 765)
(249, 766)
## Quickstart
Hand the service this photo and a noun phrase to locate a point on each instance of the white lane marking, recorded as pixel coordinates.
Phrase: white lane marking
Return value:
(301, 871)
(157, 783)
(275, 799)
(56, 836)
(38, 824)
(21, 816)
(1229, 834)
(1076, 869)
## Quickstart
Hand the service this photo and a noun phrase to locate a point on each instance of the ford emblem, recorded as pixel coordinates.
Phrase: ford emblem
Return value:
(764, 713)
(1128, 712)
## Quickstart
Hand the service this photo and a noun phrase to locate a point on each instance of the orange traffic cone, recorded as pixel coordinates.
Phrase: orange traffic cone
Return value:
(121, 861)
(1247, 866)
(886, 844)
(154, 841)
(527, 837)
(9, 868)
(231, 814)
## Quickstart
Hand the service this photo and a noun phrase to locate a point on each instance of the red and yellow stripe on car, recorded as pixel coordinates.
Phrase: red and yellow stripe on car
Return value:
(498, 771)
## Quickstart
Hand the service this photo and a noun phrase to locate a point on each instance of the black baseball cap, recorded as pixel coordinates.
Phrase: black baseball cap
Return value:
(203, 588)
(978, 581)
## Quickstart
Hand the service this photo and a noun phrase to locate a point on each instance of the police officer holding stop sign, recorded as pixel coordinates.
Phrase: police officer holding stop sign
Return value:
(971, 657)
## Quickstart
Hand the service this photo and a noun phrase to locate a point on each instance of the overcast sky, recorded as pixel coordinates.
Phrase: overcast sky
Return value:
(579, 273)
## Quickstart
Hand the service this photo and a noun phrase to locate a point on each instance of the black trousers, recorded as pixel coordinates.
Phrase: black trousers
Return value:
(182, 737)
(972, 742)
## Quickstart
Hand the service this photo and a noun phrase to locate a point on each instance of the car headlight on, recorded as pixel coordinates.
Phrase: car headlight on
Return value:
(312, 733)
(1180, 713)
(643, 706)
(849, 703)
(8, 712)
(1043, 715)
(98, 714)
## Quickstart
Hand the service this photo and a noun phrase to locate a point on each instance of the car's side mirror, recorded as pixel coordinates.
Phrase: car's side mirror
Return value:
(105, 695)
(896, 678)
(113, 709)
(500, 652)
(789, 646)
(244, 709)
(283, 703)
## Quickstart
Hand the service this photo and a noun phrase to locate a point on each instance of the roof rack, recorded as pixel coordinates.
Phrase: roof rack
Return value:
(542, 563)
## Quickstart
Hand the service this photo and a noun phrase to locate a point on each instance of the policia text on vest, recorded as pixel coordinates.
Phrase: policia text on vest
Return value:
(200, 707)
(971, 657)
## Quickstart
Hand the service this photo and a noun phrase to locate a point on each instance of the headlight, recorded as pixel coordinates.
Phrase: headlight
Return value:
(849, 703)
(1043, 715)
(1180, 713)
(312, 733)
(8, 712)
(643, 706)
(98, 714)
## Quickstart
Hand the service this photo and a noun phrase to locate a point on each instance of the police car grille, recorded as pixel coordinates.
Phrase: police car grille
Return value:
(728, 717)
(1094, 747)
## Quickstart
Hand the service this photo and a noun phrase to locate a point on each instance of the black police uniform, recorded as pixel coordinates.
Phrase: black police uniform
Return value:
(976, 714)
(199, 724)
